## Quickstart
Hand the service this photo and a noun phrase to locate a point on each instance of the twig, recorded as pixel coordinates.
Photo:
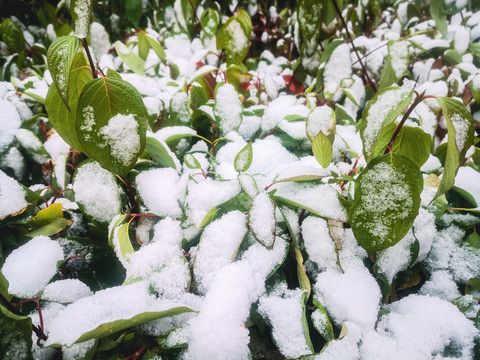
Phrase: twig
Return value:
(417, 101)
(90, 59)
(350, 40)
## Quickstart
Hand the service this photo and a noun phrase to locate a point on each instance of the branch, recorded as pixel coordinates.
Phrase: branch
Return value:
(417, 101)
(90, 59)
(350, 40)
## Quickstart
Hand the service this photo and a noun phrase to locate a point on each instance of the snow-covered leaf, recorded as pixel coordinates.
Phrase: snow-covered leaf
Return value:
(244, 158)
(112, 123)
(261, 220)
(386, 202)
(81, 11)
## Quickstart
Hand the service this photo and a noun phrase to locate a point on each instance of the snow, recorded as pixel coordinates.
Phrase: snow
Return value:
(322, 118)
(228, 108)
(338, 67)
(318, 243)
(88, 313)
(469, 179)
(121, 134)
(218, 247)
(261, 219)
(283, 309)
(96, 191)
(30, 267)
(159, 192)
(66, 291)
(336, 290)
(378, 112)
(82, 11)
(9, 122)
(428, 324)
(12, 196)
(322, 199)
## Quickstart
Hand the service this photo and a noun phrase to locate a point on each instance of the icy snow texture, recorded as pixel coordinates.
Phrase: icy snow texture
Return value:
(322, 199)
(218, 332)
(283, 309)
(378, 112)
(85, 314)
(228, 108)
(207, 194)
(83, 18)
(338, 67)
(261, 219)
(95, 189)
(322, 118)
(9, 122)
(158, 189)
(218, 246)
(336, 290)
(12, 196)
(30, 267)
(427, 325)
(121, 134)
(65, 291)
(441, 285)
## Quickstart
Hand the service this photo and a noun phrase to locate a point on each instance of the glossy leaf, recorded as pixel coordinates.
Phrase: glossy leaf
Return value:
(63, 119)
(124, 243)
(60, 56)
(322, 149)
(53, 227)
(386, 202)
(81, 11)
(112, 123)
(234, 37)
(460, 137)
(4, 287)
(244, 158)
(159, 153)
(119, 325)
(437, 8)
(46, 215)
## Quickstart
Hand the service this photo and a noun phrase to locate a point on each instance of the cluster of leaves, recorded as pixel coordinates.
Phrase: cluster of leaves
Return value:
(82, 102)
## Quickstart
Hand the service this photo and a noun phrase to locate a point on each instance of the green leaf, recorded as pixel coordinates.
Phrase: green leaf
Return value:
(12, 35)
(124, 243)
(15, 335)
(52, 228)
(244, 158)
(460, 137)
(119, 325)
(4, 287)
(475, 283)
(63, 119)
(143, 45)
(60, 56)
(437, 11)
(303, 279)
(81, 11)
(159, 153)
(452, 57)
(211, 215)
(157, 48)
(386, 202)
(191, 161)
(294, 118)
(326, 330)
(112, 123)
(473, 240)
(414, 144)
(388, 75)
(309, 18)
(132, 60)
(44, 216)
(209, 21)
(381, 111)
(133, 11)
(300, 178)
(234, 37)
(322, 149)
